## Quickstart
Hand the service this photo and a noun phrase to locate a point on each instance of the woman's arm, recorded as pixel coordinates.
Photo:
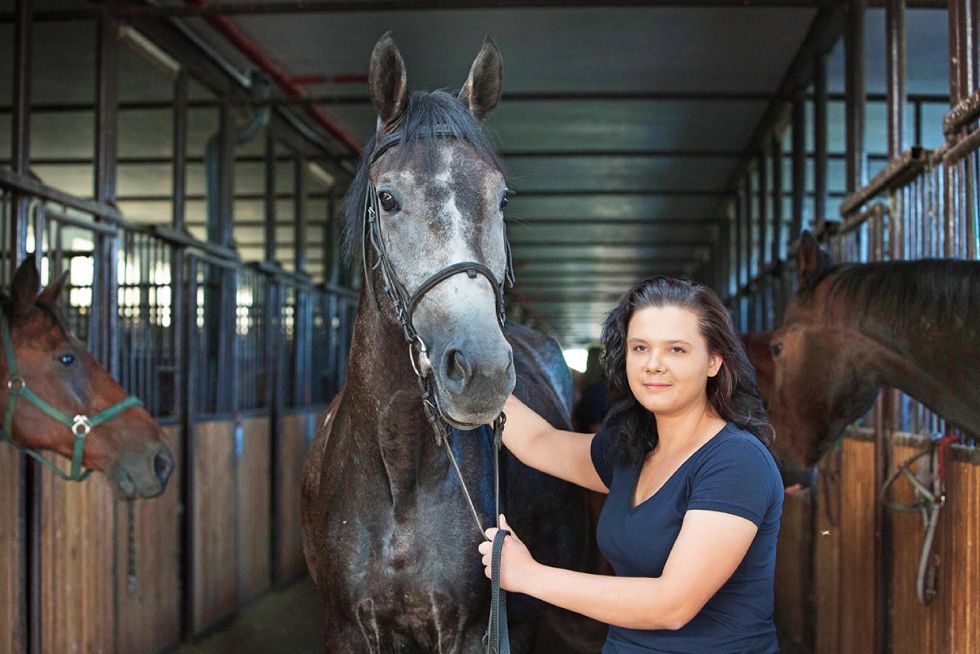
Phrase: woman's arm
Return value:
(708, 549)
(563, 454)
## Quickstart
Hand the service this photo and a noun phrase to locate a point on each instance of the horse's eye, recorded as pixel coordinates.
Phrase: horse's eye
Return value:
(388, 202)
(503, 202)
(66, 359)
(777, 349)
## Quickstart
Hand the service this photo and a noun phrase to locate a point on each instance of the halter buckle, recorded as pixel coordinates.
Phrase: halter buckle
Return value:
(16, 384)
(81, 426)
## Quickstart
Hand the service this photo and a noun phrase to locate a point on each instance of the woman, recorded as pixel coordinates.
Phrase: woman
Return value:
(694, 496)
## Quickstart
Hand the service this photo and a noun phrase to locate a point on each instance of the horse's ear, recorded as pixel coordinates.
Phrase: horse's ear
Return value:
(52, 292)
(24, 287)
(389, 85)
(483, 87)
(811, 261)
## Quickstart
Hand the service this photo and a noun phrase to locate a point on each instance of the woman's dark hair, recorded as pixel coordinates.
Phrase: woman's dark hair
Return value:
(732, 392)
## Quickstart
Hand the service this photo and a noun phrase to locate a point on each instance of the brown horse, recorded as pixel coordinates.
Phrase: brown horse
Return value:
(756, 346)
(53, 366)
(387, 534)
(852, 328)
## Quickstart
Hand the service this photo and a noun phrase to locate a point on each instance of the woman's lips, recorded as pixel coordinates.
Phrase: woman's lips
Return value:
(656, 387)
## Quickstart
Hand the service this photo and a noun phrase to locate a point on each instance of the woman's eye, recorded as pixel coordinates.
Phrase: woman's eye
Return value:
(677, 349)
(387, 201)
(777, 349)
(66, 359)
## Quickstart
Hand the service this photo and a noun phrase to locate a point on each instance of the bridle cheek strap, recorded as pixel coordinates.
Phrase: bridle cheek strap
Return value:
(80, 425)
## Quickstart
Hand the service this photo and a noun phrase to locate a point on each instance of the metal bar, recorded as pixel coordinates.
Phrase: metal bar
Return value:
(896, 75)
(269, 219)
(820, 142)
(299, 209)
(106, 229)
(179, 151)
(763, 206)
(855, 86)
(28, 185)
(20, 125)
(530, 96)
(799, 169)
(900, 172)
(180, 238)
(777, 199)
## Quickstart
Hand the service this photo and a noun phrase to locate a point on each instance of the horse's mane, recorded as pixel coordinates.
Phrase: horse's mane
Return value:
(426, 114)
(898, 294)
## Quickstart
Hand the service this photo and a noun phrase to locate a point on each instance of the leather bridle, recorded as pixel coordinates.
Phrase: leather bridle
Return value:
(405, 304)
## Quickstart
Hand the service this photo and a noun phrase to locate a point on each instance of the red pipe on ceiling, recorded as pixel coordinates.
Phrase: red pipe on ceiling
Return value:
(285, 80)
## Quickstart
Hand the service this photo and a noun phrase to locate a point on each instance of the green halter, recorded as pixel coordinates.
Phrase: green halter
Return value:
(80, 425)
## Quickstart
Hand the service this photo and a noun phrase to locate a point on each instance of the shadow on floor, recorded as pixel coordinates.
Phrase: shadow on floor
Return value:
(286, 621)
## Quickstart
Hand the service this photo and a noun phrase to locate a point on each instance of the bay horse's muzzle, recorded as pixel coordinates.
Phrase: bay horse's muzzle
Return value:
(143, 474)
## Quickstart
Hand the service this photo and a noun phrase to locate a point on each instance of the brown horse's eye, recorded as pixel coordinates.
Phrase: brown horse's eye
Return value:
(388, 202)
(66, 359)
(777, 349)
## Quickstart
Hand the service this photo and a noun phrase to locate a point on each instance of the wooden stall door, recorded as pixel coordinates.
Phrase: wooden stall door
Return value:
(76, 542)
(149, 610)
(826, 556)
(793, 567)
(213, 526)
(857, 559)
(962, 532)
(12, 595)
(254, 507)
(295, 434)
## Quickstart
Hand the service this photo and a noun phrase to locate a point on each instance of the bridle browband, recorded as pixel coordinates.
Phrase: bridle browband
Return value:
(81, 425)
(496, 638)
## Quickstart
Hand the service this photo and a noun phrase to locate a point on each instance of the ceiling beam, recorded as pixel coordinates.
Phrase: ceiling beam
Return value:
(369, 6)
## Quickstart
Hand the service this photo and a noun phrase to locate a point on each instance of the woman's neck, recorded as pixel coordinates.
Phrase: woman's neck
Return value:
(680, 432)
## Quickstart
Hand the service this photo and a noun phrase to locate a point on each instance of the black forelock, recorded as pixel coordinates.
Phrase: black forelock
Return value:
(427, 117)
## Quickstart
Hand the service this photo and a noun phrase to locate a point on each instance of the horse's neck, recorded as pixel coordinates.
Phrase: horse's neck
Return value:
(932, 363)
(385, 406)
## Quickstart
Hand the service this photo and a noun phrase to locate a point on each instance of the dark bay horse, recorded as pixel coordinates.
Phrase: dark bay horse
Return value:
(852, 328)
(387, 534)
(82, 413)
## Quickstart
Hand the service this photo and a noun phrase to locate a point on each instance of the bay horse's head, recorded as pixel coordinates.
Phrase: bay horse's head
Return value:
(56, 378)
(429, 199)
(819, 382)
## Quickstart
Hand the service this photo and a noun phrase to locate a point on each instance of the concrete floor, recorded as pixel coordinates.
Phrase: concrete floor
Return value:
(286, 621)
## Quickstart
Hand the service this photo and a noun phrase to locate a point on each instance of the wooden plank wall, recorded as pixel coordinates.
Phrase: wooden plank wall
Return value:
(254, 508)
(826, 555)
(961, 532)
(76, 559)
(792, 612)
(213, 528)
(148, 618)
(12, 609)
(914, 628)
(857, 568)
(296, 432)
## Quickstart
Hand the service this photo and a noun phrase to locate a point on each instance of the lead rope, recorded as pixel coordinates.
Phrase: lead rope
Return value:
(131, 548)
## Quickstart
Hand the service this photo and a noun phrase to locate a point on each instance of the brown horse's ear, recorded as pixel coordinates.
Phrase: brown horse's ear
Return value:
(389, 85)
(52, 292)
(483, 87)
(25, 285)
(811, 261)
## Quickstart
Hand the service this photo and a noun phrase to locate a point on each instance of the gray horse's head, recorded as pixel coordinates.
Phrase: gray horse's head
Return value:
(440, 195)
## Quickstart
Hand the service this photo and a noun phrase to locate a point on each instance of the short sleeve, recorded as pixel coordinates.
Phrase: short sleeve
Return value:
(736, 478)
(600, 456)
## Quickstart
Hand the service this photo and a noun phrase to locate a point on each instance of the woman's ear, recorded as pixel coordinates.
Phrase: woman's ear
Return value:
(714, 364)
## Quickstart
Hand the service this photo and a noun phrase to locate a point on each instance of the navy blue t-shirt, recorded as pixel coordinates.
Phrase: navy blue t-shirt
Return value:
(733, 473)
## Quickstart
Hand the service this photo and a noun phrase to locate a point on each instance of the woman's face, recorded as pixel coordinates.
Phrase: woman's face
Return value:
(667, 360)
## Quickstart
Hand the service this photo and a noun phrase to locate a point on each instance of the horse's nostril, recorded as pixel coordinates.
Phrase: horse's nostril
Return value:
(163, 465)
(458, 367)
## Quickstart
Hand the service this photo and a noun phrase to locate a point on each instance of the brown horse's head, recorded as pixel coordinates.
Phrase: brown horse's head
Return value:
(439, 191)
(54, 364)
(757, 347)
(820, 384)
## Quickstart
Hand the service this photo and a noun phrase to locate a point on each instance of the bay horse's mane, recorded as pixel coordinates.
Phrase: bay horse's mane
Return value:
(426, 118)
(898, 294)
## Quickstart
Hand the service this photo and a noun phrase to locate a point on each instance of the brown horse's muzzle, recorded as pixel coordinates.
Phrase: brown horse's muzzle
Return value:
(144, 473)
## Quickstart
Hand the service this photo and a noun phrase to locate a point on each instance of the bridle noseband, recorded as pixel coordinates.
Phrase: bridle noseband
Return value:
(80, 425)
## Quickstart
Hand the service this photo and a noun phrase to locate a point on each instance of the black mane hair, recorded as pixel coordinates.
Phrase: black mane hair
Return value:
(427, 117)
(899, 294)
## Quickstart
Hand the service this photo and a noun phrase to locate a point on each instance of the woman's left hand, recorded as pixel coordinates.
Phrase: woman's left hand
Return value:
(516, 562)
